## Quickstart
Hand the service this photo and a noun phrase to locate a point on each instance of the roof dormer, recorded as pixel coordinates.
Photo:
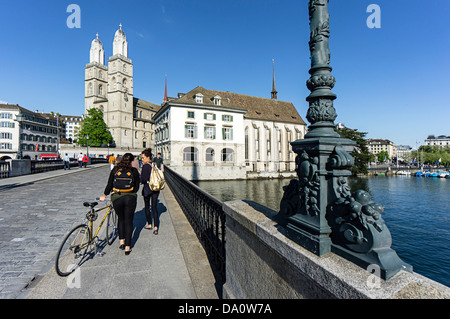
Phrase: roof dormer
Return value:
(198, 98)
(217, 100)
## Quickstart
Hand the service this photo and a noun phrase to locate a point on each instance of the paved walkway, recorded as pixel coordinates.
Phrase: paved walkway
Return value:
(169, 265)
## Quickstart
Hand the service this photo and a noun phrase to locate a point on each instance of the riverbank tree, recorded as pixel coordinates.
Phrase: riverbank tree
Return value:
(361, 152)
(432, 155)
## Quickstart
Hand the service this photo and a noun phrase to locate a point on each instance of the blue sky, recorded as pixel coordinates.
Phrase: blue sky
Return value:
(392, 82)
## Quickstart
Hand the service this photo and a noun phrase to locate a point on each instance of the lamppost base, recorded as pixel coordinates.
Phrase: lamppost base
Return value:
(308, 237)
(383, 262)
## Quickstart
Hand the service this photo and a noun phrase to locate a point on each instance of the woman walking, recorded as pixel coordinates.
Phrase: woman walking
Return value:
(124, 182)
(148, 194)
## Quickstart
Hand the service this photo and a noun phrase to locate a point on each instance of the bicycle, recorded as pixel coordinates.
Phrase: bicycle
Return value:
(80, 240)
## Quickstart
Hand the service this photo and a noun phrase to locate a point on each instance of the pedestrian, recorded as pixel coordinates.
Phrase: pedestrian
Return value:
(124, 203)
(112, 161)
(159, 162)
(135, 164)
(80, 160)
(85, 160)
(148, 194)
(66, 160)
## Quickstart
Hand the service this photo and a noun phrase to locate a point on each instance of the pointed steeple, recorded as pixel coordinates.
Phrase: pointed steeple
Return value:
(165, 91)
(274, 91)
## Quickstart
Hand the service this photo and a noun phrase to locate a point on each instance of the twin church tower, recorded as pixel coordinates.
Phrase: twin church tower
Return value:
(110, 88)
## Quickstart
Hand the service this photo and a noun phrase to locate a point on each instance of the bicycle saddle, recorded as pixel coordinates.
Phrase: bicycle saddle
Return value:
(91, 205)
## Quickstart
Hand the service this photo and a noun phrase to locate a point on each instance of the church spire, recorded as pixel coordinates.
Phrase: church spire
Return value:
(165, 91)
(274, 91)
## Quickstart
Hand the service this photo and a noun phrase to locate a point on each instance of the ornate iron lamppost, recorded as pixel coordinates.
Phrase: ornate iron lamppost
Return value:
(318, 210)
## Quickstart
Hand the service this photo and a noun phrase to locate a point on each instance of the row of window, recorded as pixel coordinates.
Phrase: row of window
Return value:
(209, 132)
(217, 100)
(100, 87)
(210, 116)
(6, 115)
(190, 155)
(8, 124)
(5, 146)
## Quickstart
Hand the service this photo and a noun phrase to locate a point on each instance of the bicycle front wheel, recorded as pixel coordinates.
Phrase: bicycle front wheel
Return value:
(72, 250)
(111, 227)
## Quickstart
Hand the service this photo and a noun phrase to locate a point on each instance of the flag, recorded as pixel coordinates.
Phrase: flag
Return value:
(37, 147)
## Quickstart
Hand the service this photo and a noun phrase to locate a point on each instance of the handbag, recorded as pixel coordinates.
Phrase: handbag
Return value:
(156, 181)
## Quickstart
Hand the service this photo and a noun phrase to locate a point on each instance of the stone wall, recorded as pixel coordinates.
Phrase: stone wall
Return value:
(261, 262)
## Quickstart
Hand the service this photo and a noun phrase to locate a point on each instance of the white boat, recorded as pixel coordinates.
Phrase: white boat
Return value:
(443, 174)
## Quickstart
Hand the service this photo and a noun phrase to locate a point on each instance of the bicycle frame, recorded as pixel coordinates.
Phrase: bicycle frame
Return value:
(91, 222)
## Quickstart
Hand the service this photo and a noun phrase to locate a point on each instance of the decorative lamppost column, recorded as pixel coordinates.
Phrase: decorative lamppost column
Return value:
(318, 210)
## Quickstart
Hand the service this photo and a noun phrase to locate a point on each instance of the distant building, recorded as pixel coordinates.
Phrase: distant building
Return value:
(440, 141)
(24, 133)
(72, 125)
(379, 145)
(404, 153)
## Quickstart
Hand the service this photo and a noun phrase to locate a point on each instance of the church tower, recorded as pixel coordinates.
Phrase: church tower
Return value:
(119, 112)
(96, 78)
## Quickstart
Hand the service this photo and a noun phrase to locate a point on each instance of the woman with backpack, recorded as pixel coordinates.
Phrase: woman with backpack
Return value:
(148, 194)
(124, 182)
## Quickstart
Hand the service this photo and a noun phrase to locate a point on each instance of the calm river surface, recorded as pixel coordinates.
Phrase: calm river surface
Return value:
(417, 212)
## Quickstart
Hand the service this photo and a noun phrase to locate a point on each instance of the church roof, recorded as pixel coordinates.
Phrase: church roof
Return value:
(146, 105)
(258, 108)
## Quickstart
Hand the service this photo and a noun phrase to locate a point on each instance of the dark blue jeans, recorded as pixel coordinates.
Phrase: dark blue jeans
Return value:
(148, 215)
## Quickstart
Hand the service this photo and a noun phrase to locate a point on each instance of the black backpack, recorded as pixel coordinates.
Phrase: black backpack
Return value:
(123, 181)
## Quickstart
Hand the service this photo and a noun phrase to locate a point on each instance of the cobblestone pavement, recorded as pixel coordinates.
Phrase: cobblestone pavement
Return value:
(37, 211)
(35, 216)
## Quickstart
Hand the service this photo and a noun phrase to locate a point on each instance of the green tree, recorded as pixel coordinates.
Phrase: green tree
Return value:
(360, 153)
(94, 126)
(383, 156)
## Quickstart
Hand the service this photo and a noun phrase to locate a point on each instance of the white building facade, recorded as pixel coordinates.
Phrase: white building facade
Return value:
(214, 135)
(442, 141)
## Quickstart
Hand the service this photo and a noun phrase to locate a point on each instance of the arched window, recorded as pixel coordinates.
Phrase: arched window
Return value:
(100, 90)
(125, 68)
(124, 83)
(90, 87)
(210, 154)
(227, 155)
(114, 84)
(190, 154)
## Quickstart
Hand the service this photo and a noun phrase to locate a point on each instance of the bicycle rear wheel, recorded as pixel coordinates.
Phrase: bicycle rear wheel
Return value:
(72, 250)
(111, 227)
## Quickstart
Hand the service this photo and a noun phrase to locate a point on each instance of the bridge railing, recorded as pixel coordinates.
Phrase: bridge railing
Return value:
(205, 214)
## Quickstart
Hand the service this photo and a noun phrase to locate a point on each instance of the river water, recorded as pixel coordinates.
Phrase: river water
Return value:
(417, 213)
